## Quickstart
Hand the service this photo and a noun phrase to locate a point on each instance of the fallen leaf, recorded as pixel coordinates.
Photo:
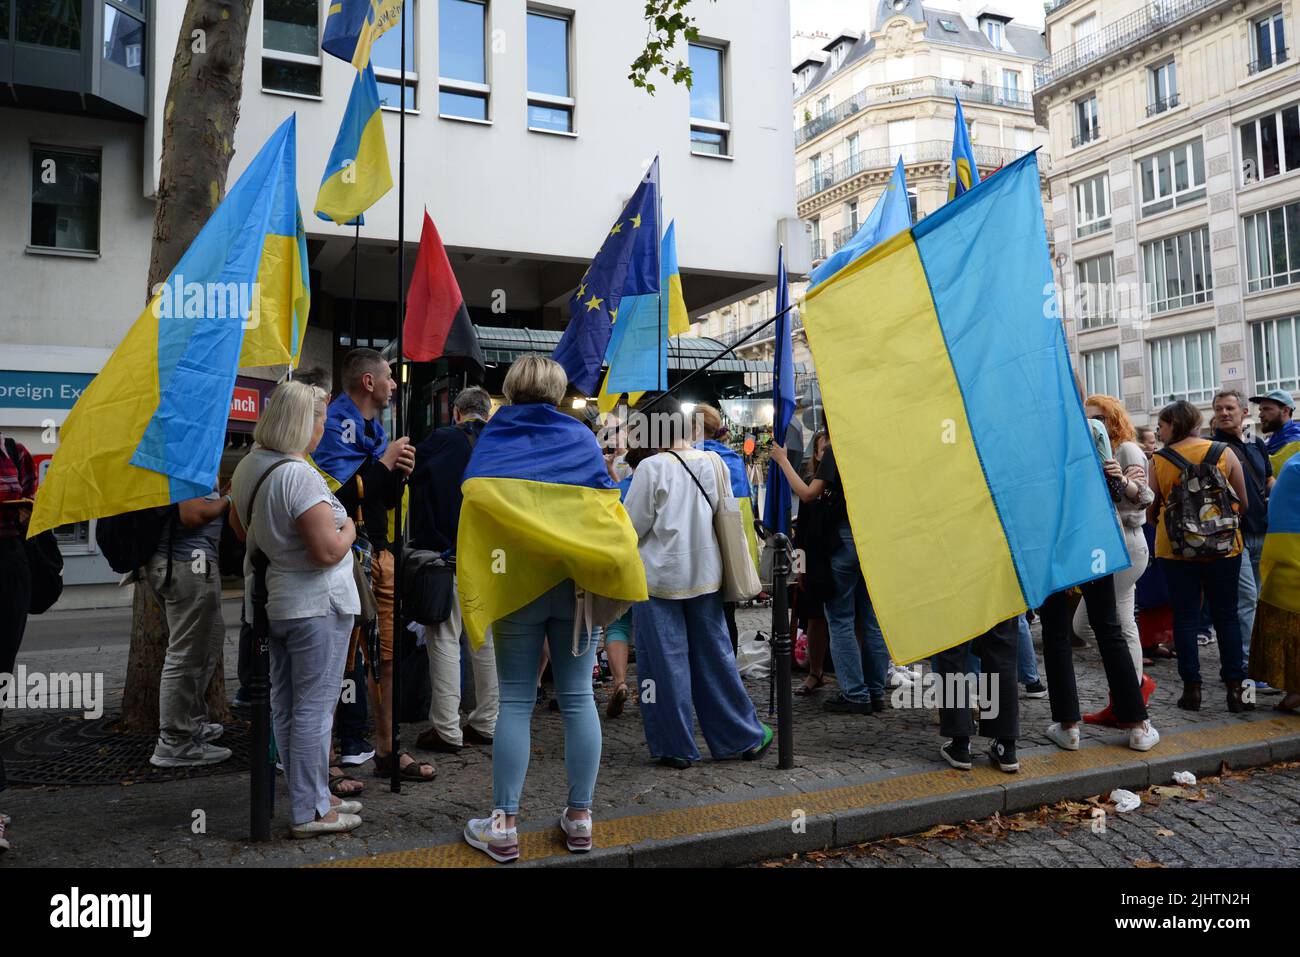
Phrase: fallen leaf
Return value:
(1143, 862)
(1164, 832)
(944, 831)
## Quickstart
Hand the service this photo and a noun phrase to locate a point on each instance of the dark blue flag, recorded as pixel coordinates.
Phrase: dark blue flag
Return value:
(776, 513)
(626, 265)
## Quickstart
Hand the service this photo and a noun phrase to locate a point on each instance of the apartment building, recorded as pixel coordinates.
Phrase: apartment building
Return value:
(524, 139)
(1175, 136)
(874, 94)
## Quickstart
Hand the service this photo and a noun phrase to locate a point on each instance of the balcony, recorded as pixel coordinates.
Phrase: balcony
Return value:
(915, 89)
(1088, 134)
(927, 151)
(842, 236)
(1123, 33)
(1051, 6)
(1160, 105)
(818, 250)
(1268, 62)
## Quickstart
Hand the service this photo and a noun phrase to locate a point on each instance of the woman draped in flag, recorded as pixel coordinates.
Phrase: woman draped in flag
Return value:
(544, 554)
(1275, 642)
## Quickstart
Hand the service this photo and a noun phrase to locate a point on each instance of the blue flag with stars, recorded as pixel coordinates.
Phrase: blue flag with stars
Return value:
(626, 265)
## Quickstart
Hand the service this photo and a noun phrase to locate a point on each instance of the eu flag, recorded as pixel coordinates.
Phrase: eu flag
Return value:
(776, 510)
(626, 265)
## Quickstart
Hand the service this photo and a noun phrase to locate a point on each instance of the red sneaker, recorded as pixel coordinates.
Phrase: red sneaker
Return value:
(1103, 717)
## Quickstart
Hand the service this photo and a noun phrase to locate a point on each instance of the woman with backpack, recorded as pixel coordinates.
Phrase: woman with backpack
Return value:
(1199, 488)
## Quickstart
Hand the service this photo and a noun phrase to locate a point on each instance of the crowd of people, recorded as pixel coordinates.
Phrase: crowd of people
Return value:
(314, 504)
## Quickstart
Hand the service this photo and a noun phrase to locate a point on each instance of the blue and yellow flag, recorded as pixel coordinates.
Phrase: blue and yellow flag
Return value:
(645, 324)
(1279, 567)
(1283, 444)
(964, 173)
(776, 509)
(150, 428)
(358, 172)
(890, 216)
(626, 265)
(353, 26)
(539, 508)
(933, 329)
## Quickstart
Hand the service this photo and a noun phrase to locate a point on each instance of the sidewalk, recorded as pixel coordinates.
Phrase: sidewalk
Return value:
(854, 779)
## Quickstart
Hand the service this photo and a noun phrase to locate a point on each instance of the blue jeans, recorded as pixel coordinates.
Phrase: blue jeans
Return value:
(684, 658)
(518, 639)
(1027, 660)
(1248, 589)
(1219, 580)
(849, 602)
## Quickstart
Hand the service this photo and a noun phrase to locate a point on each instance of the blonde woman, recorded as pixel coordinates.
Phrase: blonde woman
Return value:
(283, 508)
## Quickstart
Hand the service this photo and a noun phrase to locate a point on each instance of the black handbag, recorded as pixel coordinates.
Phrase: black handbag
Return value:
(427, 580)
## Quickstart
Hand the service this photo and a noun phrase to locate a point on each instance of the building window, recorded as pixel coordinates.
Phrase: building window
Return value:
(1172, 177)
(823, 106)
(815, 237)
(1270, 145)
(1101, 372)
(550, 100)
(1092, 206)
(123, 34)
(386, 57)
(911, 206)
(1267, 42)
(1095, 292)
(851, 145)
(1277, 345)
(1177, 271)
(50, 23)
(851, 215)
(1023, 139)
(291, 47)
(65, 199)
(1162, 88)
(463, 89)
(1087, 124)
(995, 31)
(1273, 247)
(1183, 367)
(710, 132)
(1011, 85)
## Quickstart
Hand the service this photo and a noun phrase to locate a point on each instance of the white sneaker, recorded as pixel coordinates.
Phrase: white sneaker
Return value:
(499, 843)
(208, 731)
(900, 677)
(1144, 737)
(345, 822)
(191, 754)
(347, 807)
(1067, 740)
(577, 834)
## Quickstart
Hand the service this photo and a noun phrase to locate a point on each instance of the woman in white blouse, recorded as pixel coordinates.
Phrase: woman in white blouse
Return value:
(682, 645)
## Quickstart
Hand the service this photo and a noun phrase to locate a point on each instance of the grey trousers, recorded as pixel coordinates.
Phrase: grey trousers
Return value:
(192, 604)
(306, 676)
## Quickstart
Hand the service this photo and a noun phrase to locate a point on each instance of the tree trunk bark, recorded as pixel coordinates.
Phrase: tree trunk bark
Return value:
(199, 118)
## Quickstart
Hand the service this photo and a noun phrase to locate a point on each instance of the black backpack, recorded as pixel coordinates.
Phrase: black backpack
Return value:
(1199, 518)
(130, 539)
(44, 559)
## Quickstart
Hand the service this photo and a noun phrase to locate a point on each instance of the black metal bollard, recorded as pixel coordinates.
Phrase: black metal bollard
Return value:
(783, 650)
(262, 776)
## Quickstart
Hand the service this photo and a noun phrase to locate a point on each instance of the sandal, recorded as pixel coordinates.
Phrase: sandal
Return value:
(345, 787)
(617, 700)
(414, 771)
(807, 689)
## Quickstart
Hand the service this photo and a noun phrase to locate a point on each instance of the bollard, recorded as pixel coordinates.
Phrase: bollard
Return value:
(262, 776)
(783, 650)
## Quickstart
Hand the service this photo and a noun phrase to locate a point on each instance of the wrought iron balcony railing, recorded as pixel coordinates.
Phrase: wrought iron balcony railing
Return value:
(1087, 135)
(986, 158)
(1264, 63)
(1162, 104)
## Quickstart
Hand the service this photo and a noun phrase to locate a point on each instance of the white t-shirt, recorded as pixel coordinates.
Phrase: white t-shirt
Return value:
(674, 523)
(297, 587)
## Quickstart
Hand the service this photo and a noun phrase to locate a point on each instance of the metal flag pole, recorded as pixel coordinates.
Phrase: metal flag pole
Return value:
(399, 532)
(661, 371)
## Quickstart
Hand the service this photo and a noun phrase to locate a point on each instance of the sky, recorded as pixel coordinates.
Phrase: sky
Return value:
(831, 16)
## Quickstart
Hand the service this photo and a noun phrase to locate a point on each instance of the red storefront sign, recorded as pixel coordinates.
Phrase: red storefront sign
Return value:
(244, 405)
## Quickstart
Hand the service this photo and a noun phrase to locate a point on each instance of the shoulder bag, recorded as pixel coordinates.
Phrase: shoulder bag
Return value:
(739, 577)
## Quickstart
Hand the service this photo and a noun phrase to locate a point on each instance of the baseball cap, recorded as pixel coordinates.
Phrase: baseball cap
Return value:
(1280, 396)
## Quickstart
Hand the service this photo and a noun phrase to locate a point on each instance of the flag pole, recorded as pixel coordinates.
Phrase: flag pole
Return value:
(661, 371)
(398, 542)
(356, 252)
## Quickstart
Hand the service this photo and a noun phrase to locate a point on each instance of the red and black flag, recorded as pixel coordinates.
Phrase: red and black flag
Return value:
(437, 323)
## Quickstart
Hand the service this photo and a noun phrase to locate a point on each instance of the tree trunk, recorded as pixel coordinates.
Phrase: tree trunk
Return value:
(199, 117)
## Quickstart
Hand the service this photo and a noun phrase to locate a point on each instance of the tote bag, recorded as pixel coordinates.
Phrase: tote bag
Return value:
(739, 576)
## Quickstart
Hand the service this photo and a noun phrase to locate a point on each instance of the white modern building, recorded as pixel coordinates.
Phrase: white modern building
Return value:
(524, 138)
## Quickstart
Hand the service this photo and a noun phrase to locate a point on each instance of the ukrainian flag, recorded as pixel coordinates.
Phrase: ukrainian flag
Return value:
(966, 460)
(358, 172)
(1279, 567)
(641, 332)
(150, 428)
(539, 509)
(965, 173)
(353, 26)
